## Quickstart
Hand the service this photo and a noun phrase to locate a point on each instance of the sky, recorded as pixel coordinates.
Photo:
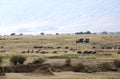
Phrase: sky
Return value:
(59, 16)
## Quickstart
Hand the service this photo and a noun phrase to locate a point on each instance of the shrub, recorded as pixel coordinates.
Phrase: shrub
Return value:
(106, 66)
(14, 60)
(17, 59)
(68, 62)
(80, 67)
(21, 59)
(116, 63)
(39, 61)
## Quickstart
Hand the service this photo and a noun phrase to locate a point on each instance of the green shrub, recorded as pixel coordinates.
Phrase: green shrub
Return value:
(116, 63)
(68, 62)
(80, 68)
(21, 59)
(17, 59)
(39, 61)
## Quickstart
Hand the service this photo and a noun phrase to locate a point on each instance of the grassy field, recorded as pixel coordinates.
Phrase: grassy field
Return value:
(65, 46)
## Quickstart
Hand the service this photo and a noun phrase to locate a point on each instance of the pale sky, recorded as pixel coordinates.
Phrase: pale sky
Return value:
(62, 16)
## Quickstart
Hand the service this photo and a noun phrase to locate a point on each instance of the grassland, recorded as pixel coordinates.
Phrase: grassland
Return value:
(65, 47)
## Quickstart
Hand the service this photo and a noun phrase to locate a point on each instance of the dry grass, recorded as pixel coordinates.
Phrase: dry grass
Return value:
(15, 47)
(65, 75)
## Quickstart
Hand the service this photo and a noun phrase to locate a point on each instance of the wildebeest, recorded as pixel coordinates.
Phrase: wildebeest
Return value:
(37, 46)
(43, 52)
(89, 52)
(54, 51)
(79, 52)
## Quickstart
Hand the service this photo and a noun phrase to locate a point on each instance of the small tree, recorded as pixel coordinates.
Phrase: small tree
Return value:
(14, 60)
(21, 59)
(39, 61)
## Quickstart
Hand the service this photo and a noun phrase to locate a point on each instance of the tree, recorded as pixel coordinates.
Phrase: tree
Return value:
(42, 33)
(57, 33)
(88, 32)
(12, 34)
(104, 32)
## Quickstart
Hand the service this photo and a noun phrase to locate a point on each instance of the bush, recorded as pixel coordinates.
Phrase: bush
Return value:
(39, 61)
(21, 59)
(68, 62)
(14, 60)
(80, 68)
(116, 63)
(17, 59)
(106, 66)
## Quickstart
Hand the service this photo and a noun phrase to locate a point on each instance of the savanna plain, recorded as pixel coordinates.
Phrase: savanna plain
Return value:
(92, 57)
